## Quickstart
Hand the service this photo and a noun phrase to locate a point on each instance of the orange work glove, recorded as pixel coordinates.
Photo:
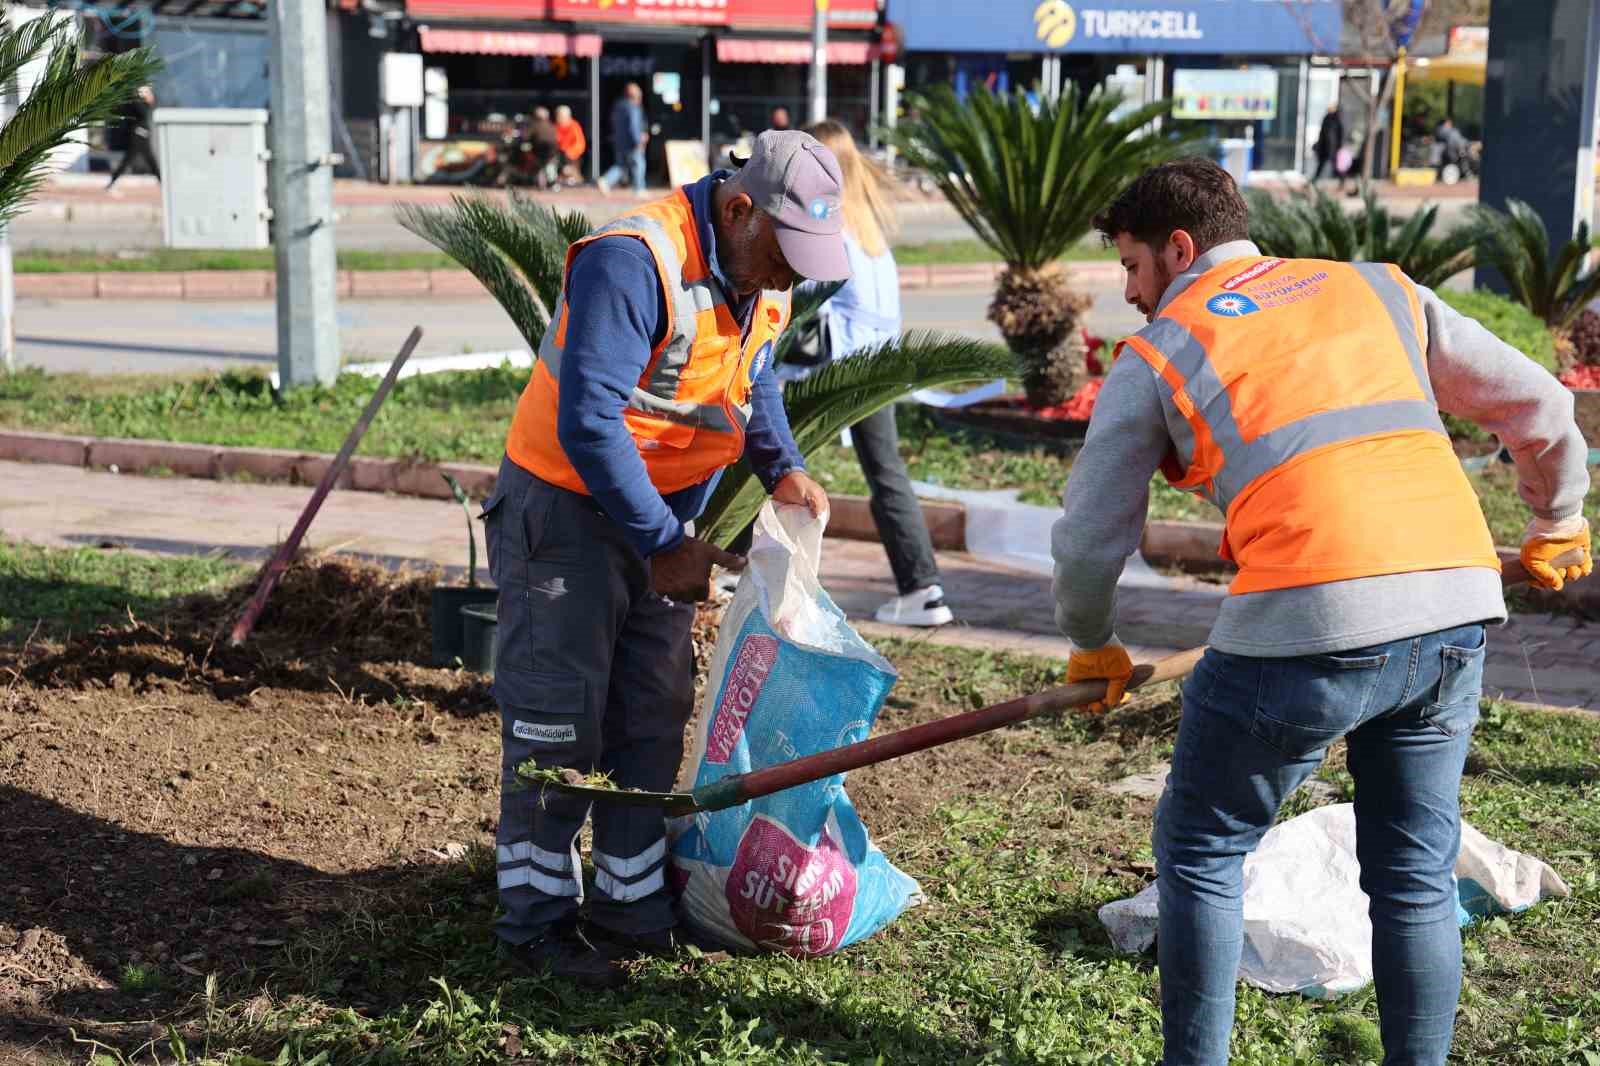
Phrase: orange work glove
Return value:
(1545, 541)
(1110, 662)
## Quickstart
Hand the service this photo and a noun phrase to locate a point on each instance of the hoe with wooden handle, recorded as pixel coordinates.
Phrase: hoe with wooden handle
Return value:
(735, 789)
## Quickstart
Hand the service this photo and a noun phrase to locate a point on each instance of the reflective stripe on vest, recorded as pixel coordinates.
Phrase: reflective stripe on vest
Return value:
(698, 379)
(1265, 366)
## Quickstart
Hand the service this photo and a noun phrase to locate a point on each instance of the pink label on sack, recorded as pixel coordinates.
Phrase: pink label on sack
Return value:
(787, 897)
(750, 671)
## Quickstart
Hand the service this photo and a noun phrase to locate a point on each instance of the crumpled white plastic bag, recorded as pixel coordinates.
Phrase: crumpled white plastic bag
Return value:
(1305, 917)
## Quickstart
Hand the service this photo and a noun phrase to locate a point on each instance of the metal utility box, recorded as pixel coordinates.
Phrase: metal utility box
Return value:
(213, 177)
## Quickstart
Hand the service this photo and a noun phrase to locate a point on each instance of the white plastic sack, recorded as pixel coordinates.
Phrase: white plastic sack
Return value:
(1305, 917)
(792, 872)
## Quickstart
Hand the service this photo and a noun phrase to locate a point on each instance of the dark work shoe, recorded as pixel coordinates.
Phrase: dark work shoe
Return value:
(661, 943)
(566, 954)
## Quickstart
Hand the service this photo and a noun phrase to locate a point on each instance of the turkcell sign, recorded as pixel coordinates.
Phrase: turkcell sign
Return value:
(1144, 27)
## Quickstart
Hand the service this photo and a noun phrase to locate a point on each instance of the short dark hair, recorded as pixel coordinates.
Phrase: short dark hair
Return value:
(1192, 194)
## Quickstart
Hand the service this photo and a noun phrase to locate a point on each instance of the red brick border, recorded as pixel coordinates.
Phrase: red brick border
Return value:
(1192, 544)
(411, 284)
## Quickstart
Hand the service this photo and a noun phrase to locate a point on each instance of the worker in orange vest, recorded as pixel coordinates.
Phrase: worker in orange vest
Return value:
(572, 142)
(1302, 398)
(655, 374)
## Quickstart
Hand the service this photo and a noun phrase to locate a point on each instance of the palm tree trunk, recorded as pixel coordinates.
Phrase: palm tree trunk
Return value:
(1038, 313)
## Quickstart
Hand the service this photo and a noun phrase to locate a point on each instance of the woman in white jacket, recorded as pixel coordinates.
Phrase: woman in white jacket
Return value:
(864, 313)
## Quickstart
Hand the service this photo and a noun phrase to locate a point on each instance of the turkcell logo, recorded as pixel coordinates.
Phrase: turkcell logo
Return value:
(1232, 305)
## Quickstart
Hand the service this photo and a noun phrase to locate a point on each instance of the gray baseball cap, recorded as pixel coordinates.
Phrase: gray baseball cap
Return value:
(793, 178)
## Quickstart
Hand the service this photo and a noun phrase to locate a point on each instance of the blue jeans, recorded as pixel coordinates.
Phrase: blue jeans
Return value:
(634, 172)
(1252, 731)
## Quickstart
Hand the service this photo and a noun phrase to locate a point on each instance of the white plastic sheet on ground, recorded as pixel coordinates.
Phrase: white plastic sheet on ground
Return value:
(1002, 529)
(1305, 917)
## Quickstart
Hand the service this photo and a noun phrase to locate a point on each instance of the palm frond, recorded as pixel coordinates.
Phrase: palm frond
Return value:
(1554, 282)
(22, 45)
(1314, 225)
(546, 257)
(517, 252)
(1029, 183)
(67, 96)
(806, 305)
(844, 392)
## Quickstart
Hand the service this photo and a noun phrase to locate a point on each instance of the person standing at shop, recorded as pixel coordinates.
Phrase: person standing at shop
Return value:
(628, 138)
(572, 142)
(861, 315)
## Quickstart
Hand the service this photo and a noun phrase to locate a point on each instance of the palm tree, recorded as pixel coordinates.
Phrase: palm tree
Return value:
(518, 251)
(1549, 281)
(1316, 226)
(68, 95)
(1029, 184)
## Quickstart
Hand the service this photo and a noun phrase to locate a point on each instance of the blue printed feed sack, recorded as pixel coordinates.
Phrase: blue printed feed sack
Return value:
(795, 871)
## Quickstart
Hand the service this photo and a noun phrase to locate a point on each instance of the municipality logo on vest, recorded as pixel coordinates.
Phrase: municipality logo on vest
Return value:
(759, 363)
(1232, 305)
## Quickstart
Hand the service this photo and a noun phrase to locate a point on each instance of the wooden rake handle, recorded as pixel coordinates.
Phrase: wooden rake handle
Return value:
(737, 788)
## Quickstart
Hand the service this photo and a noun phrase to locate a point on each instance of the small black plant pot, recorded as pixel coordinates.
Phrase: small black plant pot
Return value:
(444, 611)
(478, 626)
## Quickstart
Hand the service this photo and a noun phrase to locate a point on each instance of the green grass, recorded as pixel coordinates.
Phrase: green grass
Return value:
(1016, 845)
(971, 250)
(177, 259)
(460, 416)
(138, 978)
(70, 590)
(1004, 963)
(463, 416)
(1509, 321)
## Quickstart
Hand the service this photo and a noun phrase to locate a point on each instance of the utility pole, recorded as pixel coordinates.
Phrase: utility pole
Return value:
(819, 61)
(302, 194)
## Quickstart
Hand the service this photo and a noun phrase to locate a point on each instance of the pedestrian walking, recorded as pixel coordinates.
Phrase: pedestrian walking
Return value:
(863, 314)
(628, 138)
(1366, 575)
(141, 135)
(1330, 138)
(655, 377)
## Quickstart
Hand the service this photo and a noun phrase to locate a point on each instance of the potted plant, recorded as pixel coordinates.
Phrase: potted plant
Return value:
(447, 601)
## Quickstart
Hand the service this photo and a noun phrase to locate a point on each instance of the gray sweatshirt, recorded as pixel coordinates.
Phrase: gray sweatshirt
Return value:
(1474, 375)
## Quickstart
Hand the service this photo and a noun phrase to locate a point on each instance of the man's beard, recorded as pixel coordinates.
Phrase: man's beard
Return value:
(735, 260)
(1163, 283)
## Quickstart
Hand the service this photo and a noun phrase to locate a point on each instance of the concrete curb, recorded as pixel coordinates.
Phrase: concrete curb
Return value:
(1190, 545)
(850, 519)
(436, 284)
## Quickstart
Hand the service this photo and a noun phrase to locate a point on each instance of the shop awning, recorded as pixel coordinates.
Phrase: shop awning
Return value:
(509, 43)
(796, 50)
(1466, 69)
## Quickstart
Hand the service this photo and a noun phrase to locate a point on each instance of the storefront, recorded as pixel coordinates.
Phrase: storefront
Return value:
(710, 70)
(1242, 65)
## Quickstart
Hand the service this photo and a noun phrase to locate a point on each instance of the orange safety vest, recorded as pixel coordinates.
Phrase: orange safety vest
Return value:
(689, 409)
(1296, 392)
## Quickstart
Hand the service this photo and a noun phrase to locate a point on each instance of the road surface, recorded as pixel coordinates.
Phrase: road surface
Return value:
(167, 336)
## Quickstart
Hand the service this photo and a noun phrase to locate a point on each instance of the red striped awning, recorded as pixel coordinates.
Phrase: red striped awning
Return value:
(510, 43)
(789, 50)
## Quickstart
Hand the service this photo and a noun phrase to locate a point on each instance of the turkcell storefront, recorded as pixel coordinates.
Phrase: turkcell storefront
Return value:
(1238, 69)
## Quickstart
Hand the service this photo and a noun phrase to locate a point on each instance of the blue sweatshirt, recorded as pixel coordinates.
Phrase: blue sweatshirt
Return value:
(616, 317)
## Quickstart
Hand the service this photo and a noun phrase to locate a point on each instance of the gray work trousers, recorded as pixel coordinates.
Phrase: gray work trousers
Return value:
(593, 671)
